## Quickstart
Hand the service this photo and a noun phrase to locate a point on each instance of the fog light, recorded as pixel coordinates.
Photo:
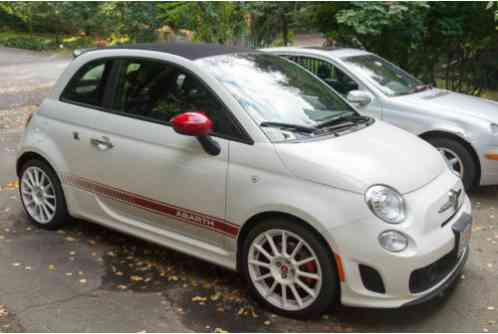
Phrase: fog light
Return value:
(393, 241)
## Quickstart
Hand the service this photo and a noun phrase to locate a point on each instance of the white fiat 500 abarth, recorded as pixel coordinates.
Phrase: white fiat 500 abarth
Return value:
(249, 161)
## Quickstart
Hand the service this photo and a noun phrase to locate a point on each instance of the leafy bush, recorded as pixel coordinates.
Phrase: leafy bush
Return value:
(19, 41)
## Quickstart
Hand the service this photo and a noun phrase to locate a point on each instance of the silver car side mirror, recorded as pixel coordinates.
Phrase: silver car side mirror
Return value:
(359, 97)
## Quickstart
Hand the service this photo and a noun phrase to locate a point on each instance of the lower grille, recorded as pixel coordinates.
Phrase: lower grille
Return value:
(425, 278)
(371, 279)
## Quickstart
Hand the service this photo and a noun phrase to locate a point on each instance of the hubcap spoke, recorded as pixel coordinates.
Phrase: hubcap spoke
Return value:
(308, 275)
(296, 249)
(296, 295)
(300, 263)
(284, 243)
(269, 238)
(452, 160)
(305, 288)
(49, 205)
(284, 296)
(263, 277)
(270, 291)
(264, 252)
(260, 264)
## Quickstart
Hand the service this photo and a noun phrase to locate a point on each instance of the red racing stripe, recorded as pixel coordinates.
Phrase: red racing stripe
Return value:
(184, 215)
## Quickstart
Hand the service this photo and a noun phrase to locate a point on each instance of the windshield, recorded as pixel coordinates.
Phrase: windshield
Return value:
(390, 79)
(275, 91)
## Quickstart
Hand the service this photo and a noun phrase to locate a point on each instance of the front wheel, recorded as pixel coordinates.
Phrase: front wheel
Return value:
(458, 158)
(289, 269)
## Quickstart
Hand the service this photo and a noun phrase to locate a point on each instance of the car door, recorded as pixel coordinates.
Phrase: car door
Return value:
(146, 174)
(338, 79)
(72, 118)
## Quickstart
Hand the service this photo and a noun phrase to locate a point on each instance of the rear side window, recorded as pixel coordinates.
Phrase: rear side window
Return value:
(88, 84)
(333, 76)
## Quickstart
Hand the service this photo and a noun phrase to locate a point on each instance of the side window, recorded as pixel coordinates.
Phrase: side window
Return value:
(88, 84)
(159, 91)
(333, 76)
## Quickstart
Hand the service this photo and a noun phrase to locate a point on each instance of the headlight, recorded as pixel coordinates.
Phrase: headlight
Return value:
(494, 128)
(393, 241)
(386, 203)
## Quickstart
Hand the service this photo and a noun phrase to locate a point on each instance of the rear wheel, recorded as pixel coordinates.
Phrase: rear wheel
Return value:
(458, 158)
(289, 269)
(42, 196)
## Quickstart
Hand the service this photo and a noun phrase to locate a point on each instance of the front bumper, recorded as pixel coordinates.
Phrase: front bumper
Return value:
(445, 284)
(429, 242)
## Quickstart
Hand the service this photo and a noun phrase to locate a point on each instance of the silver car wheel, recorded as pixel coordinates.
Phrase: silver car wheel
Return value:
(284, 269)
(38, 195)
(452, 160)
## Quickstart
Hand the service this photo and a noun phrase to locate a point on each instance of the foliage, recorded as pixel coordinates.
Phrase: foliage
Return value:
(138, 20)
(446, 42)
(450, 43)
(23, 41)
(270, 19)
(219, 22)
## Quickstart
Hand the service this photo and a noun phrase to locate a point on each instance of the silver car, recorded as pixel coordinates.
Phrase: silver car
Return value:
(463, 128)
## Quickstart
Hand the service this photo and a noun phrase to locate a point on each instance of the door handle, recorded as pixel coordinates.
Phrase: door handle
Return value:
(103, 144)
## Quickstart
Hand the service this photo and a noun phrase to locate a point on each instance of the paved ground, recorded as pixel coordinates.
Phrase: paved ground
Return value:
(86, 278)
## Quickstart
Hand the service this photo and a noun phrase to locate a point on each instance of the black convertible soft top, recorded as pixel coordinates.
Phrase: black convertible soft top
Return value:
(187, 50)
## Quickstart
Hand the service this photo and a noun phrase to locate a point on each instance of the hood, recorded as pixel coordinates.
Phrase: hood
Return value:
(446, 101)
(378, 154)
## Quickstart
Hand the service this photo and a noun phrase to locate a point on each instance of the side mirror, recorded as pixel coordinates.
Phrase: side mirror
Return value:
(359, 97)
(198, 125)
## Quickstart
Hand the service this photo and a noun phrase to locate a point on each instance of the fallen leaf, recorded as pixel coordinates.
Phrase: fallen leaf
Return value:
(199, 299)
(216, 296)
(51, 267)
(136, 278)
(3, 311)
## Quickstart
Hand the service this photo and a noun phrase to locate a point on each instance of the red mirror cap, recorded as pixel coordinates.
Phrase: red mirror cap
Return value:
(192, 124)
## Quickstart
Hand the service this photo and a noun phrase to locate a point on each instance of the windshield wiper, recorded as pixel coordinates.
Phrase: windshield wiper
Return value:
(282, 125)
(347, 116)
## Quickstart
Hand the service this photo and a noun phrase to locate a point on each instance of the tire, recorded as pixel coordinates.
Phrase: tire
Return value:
(449, 147)
(283, 271)
(46, 205)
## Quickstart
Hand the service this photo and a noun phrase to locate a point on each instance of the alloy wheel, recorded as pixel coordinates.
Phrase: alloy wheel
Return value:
(452, 160)
(38, 195)
(284, 269)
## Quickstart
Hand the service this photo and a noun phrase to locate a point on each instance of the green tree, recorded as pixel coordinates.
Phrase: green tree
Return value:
(270, 19)
(219, 22)
(138, 20)
(449, 43)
